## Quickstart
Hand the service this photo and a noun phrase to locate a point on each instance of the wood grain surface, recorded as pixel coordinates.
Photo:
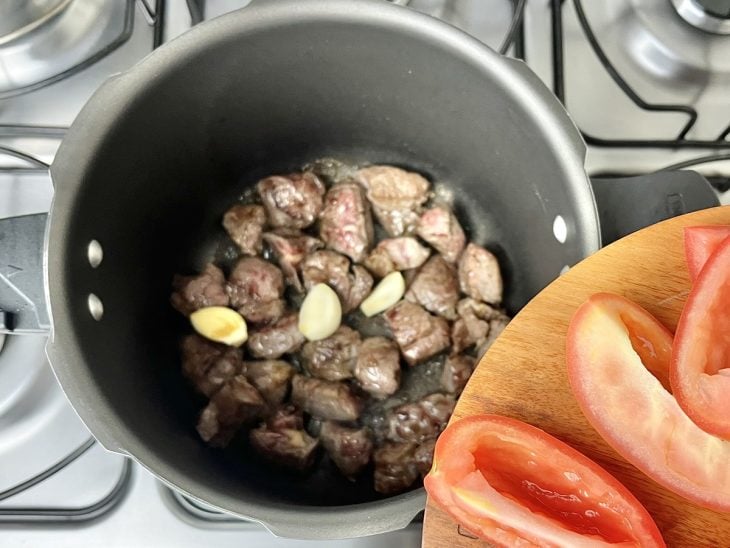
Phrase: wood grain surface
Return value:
(524, 374)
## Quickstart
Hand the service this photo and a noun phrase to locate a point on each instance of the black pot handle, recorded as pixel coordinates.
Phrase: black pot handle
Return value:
(627, 204)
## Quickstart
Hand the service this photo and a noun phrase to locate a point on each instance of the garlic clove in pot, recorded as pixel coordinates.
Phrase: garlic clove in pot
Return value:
(320, 314)
(389, 291)
(220, 324)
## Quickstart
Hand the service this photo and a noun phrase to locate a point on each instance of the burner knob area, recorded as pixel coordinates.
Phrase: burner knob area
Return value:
(708, 15)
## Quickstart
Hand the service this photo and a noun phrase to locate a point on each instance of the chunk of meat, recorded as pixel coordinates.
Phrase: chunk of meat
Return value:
(255, 287)
(421, 420)
(456, 373)
(440, 228)
(349, 448)
(479, 274)
(325, 399)
(282, 441)
(423, 456)
(496, 326)
(419, 334)
(208, 365)
(378, 367)
(237, 403)
(333, 358)
(397, 196)
(292, 201)
(395, 467)
(245, 224)
(472, 325)
(346, 224)
(271, 378)
(396, 254)
(331, 268)
(191, 293)
(290, 247)
(273, 341)
(436, 288)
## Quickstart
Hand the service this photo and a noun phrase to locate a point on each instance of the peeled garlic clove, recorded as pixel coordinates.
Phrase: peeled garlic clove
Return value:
(389, 291)
(320, 314)
(220, 324)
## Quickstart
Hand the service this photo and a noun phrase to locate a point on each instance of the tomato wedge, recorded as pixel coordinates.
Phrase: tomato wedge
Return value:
(700, 366)
(699, 243)
(515, 485)
(611, 343)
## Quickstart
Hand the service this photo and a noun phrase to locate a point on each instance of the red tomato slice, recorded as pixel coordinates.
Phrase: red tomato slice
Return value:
(611, 343)
(699, 243)
(700, 366)
(514, 485)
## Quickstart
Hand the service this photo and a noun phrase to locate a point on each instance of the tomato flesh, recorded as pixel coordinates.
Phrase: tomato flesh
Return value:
(515, 485)
(699, 243)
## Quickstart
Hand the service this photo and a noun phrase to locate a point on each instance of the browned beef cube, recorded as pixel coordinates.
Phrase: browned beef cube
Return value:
(273, 341)
(325, 399)
(245, 224)
(331, 268)
(346, 224)
(283, 441)
(395, 467)
(396, 254)
(362, 283)
(479, 274)
(349, 448)
(255, 287)
(292, 201)
(436, 288)
(472, 325)
(191, 293)
(421, 420)
(396, 195)
(419, 334)
(378, 367)
(290, 248)
(440, 228)
(496, 326)
(456, 373)
(333, 358)
(209, 365)
(237, 403)
(423, 456)
(271, 378)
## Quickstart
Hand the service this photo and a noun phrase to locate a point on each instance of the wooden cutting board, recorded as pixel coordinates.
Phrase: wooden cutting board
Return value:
(524, 374)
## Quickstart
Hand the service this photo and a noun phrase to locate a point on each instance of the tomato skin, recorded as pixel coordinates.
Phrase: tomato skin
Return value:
(699, 243)
(632, 410)
(513, 484)
(699, 372)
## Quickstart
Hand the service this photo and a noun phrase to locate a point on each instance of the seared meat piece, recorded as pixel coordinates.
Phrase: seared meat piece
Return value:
(333, 269)
(456, 373)
(419, 334)
(209, 365)
(496, 326)
(255, 287)
(292, 201)
(234, 405)
(424, 456)
(396, 195)
(395, 467)
(435, 288)
(396, 254)
(325, 399)
(333, 358)
(479, 274)
(349, 448)
(271, 378)
(244, 224)
(283, 441)
(290, 248)
(346, 224)
(275, 340)
(194, 292)
(421, 420)
(472, 326)
(440, 228)
(378, 367)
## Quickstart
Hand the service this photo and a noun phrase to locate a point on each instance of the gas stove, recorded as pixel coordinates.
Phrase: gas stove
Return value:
(644, 80)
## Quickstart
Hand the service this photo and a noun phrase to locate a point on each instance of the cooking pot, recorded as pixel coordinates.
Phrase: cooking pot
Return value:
(160, 151)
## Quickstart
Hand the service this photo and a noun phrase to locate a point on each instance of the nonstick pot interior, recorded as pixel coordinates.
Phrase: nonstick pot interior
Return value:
(160, 152)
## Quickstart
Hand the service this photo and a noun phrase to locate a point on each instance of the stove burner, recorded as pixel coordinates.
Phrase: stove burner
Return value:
(708, 15)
